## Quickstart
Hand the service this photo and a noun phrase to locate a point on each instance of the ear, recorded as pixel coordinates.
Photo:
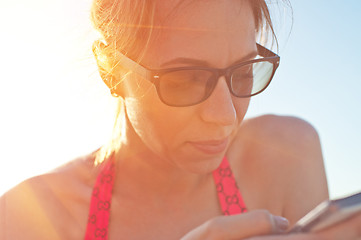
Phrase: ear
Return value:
(105, 68)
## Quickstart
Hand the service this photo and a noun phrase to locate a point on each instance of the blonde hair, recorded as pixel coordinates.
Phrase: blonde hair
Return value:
(126, 26)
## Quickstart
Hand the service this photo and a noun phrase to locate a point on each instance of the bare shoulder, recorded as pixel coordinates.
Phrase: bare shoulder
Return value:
(43, 206)
(281, 157)
(278, 127)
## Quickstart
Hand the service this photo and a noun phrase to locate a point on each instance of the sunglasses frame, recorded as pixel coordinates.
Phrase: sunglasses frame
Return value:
(154, 75)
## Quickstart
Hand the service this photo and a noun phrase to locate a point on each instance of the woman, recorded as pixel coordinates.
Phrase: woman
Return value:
(182, 158)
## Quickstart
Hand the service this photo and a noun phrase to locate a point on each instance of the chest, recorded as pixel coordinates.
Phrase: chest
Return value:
(142, 216)
(137, 214)
(164, 219)
(145, 223)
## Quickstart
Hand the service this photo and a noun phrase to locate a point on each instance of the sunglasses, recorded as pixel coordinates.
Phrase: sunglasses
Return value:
(187, 86)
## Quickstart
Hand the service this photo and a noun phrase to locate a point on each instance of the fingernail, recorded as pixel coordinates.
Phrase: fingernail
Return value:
(281, 223)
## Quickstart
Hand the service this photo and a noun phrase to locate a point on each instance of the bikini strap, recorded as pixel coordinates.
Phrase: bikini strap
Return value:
(229, 197)
(99, 212)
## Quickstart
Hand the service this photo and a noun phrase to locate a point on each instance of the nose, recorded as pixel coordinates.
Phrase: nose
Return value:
(219, 107)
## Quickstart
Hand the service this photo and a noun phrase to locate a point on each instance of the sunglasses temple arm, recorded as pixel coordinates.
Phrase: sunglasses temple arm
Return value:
(132, 66)
(264, 52)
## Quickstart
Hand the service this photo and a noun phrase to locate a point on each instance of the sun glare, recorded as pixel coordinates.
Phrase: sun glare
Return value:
(55, 107)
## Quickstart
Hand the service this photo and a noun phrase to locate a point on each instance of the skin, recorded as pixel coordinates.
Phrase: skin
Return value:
(164, 187)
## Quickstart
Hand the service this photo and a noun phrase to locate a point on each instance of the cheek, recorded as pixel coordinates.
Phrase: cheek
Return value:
(160, 127)
(241, 107)
(143, 121)
(139, 100)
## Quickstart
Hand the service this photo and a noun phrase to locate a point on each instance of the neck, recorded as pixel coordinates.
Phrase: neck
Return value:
(141, 172)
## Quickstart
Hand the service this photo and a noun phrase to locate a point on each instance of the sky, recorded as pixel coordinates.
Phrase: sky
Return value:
(54, 106)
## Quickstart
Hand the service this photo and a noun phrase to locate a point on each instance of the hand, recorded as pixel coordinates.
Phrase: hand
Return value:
(347, 230)
(253, 223)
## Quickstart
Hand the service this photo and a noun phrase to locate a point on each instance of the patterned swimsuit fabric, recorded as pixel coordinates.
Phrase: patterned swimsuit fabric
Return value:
(230, 199)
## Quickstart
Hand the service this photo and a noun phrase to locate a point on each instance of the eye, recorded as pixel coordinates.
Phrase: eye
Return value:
(244, 72)
(185, 79)
(177, 80)
(242, 80)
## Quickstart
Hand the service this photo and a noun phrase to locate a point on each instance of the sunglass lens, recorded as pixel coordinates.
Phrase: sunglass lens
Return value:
(251, 79)
(184, 87)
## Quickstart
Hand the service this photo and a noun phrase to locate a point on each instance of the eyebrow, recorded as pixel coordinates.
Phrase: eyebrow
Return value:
(198, 62)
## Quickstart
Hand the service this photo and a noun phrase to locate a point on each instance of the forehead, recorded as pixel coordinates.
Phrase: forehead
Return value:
(193, 28)
(211, 15)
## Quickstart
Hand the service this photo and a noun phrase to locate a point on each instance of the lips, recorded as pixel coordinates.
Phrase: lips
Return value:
(211, 147)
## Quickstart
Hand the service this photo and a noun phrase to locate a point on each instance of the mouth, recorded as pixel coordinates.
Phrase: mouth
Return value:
(211, 147)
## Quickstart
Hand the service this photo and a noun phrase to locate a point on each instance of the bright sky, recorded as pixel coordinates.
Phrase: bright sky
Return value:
(54, 106)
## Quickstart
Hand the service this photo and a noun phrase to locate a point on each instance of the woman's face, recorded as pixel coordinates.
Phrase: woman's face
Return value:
(213, 33)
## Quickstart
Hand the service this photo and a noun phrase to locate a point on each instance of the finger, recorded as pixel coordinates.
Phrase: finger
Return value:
(299, 236)
(253, 223)
(258, 222)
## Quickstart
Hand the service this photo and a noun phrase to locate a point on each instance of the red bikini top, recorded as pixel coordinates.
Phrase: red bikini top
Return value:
(229, 197)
